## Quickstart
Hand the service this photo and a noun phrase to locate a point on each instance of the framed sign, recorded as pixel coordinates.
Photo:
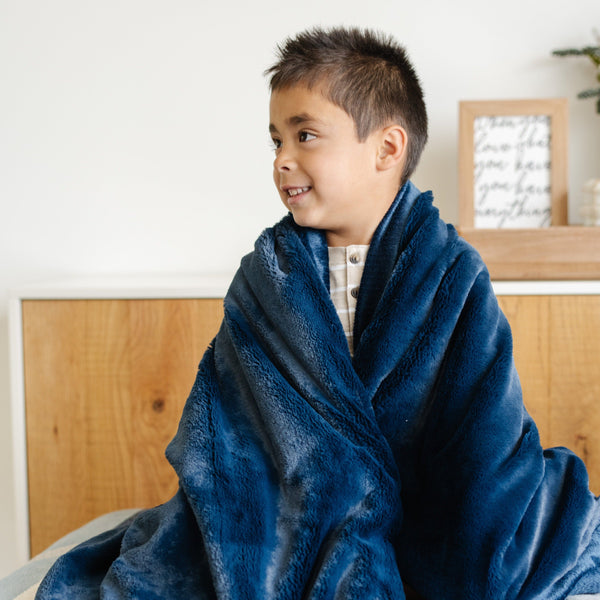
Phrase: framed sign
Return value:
(513, 164)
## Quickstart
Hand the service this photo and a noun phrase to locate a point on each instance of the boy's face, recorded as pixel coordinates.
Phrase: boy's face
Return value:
(326, 178)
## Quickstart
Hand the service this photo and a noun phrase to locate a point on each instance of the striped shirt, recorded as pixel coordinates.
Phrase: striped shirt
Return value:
(346, 265)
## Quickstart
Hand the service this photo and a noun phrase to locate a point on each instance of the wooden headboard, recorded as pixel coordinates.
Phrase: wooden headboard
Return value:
(106, 381)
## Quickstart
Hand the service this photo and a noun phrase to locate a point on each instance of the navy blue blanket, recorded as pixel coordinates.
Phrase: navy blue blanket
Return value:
(308, 474)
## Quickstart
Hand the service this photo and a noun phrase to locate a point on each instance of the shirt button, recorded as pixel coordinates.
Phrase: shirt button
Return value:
(354, 259)
(354, 292)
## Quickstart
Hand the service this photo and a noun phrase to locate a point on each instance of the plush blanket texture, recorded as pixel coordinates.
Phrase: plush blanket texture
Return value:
(306, 473)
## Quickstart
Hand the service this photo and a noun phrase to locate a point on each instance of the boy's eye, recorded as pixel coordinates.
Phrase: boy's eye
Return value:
(304, 136)
(276, 143)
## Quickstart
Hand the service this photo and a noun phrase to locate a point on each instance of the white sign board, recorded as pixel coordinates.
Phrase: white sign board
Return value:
(512, 185)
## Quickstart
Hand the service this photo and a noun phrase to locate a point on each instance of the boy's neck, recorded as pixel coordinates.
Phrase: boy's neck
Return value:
(335, 240)
(361, 233)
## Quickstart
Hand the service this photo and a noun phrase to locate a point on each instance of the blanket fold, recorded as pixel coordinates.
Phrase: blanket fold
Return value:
(306, 473)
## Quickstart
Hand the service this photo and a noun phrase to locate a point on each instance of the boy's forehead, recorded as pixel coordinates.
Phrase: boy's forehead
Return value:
(299, 104)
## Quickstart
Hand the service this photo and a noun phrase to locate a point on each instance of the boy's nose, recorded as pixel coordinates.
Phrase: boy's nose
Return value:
(283, 161)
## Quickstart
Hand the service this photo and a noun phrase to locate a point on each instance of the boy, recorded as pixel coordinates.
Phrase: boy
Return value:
(318, 463)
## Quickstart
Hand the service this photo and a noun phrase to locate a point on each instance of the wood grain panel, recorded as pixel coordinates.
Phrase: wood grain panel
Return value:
(529, 318)
(557, 345)
(552, 253)
(575, 385)
(105, 383)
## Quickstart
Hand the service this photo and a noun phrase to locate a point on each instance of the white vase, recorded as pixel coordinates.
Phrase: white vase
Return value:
(590, 207)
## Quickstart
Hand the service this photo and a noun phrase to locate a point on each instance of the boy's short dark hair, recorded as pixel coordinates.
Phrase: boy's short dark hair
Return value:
(365, 73)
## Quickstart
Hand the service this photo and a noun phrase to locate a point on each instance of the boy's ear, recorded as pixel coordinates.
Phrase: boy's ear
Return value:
(392, 147)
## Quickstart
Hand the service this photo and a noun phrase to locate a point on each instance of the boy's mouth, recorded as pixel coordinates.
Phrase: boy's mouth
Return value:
(291, 192)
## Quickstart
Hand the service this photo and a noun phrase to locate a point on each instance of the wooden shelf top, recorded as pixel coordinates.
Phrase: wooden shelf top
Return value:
(569, 252)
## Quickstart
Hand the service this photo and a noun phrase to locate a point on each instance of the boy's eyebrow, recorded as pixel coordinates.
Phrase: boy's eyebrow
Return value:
(300, 119)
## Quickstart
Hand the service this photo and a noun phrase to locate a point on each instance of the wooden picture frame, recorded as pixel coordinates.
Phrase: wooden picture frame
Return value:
(513, 164)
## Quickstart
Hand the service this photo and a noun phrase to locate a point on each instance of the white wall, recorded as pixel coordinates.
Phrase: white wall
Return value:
(133, 133)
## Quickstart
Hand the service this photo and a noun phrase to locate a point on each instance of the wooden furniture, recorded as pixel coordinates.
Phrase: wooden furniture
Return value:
(103, 373)
(555, 253)
(556, 335)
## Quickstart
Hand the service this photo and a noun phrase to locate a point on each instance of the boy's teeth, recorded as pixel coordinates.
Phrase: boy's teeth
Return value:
(296, 191)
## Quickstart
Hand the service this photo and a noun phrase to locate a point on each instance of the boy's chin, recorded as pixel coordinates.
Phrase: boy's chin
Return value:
(299, 221)
(304, 220)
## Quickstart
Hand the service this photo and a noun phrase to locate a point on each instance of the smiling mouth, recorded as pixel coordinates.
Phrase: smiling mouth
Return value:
(295, 191)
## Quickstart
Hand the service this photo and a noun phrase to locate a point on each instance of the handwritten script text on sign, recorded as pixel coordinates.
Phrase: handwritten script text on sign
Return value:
(512, 171)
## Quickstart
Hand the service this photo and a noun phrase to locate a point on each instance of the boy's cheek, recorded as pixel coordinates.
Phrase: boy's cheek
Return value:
(281, 194)
(276, 180)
